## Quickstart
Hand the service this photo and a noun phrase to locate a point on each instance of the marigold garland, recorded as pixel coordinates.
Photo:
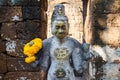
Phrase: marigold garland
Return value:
(30, 59)
(31, 48)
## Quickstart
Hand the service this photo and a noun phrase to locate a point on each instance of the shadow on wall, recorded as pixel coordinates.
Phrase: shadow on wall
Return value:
(101, 11)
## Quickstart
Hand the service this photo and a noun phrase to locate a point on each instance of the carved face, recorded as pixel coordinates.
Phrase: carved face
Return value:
(60, 29)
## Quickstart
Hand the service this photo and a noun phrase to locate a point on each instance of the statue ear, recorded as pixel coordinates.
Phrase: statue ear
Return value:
(53, 30)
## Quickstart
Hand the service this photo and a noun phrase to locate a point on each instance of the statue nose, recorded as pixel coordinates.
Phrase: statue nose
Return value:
(60, 30)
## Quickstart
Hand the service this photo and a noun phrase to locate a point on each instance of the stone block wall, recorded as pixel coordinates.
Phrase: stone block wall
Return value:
(107, 39)
(20, 22)
(107, 26)
(23, 20)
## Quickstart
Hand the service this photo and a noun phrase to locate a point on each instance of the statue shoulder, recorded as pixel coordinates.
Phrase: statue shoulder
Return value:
(76, 42)
(47, 42)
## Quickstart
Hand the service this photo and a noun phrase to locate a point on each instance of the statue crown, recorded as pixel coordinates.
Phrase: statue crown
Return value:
(59, 13)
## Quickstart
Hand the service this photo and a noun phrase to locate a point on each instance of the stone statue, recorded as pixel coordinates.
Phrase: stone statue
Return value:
(61, 57)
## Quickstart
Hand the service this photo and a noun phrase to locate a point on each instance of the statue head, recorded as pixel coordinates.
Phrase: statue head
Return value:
(59, 23)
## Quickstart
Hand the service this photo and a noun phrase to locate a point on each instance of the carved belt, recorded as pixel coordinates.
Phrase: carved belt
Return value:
(60, 73)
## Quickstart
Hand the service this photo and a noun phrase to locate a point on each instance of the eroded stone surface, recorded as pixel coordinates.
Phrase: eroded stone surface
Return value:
(18, 64)
(8, 14)
(8, 31)
(31, 12)
(3, 63)
(111, 35)
(22, 76)
(107, 6)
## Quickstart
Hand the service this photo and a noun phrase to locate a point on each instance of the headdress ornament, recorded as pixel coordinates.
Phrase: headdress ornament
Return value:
(59, 13)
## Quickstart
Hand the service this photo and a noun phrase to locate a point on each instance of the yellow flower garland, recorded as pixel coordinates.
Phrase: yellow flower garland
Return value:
(31, 48)
(30, 59)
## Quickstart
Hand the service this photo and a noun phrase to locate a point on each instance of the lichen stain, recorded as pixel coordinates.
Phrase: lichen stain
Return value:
(10, 46)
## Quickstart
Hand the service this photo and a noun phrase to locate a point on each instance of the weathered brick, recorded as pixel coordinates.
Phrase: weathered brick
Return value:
(2, 46)
(3, 67)
(18, 64)
(28, 30)
(8, 14)
(15, 47)
(31, 12)
(8, 31)
(22, 76)
(22, 30)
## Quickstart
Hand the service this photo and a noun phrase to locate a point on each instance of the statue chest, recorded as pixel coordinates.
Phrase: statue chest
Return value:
(61, 52)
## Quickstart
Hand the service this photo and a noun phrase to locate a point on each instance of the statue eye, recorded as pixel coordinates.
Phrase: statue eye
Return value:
(64, 27)
(57, 27)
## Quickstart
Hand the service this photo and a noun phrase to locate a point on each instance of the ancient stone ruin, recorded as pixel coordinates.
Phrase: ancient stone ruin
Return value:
(24, 20)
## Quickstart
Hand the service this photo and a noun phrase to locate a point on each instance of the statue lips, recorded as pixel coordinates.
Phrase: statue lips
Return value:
(61, 35)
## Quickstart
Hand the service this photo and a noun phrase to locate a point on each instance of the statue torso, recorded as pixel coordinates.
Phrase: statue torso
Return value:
(60, 54)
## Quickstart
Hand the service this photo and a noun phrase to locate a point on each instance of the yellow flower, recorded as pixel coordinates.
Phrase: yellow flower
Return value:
(30, 59)
(32, 48)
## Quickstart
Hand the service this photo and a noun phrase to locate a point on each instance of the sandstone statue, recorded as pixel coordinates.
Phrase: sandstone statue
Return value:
(62, 57)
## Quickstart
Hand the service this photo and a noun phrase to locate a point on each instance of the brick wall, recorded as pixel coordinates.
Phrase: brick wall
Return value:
(23, 20)
(20, 21)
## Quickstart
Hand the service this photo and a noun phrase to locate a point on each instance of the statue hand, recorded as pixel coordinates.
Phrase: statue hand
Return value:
(79, 72)
(86, 47)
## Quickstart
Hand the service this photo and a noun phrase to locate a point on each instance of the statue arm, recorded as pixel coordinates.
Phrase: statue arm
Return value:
(42, 60)
(77, 60)
(44, 65)
(42, 57)
(45, 56)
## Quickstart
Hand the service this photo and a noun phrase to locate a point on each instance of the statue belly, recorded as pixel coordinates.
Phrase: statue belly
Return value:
(64, 72)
